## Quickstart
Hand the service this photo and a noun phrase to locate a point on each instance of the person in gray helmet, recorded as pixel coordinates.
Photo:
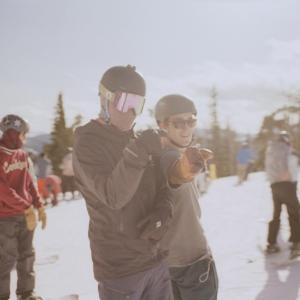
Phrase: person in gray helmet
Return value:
(118, 174)
(281, 164)
(191, 264)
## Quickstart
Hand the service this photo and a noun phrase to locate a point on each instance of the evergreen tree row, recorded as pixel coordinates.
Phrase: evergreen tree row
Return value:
(225, 142)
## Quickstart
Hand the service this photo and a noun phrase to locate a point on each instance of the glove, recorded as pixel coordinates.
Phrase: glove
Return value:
(197, 158)
(206, 154)
(192, 161)
(150, 140)
(30, 218)
(42, 217)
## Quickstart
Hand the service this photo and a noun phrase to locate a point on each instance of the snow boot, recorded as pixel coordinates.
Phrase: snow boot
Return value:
(295, 250)
(30, 296)
(272, 248)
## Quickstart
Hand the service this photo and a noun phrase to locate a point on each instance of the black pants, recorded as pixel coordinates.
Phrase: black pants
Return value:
(68, 184)
(153, 284)
(285, 193)
(16, 248)
(196, 281)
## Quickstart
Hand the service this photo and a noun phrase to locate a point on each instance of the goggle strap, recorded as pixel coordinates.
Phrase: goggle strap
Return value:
(106, 93)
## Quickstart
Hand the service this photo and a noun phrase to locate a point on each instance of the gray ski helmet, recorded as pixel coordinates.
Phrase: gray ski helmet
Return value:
(124, 79)
(284, 136)
(14, 122)
(172, 105)
(284, 133)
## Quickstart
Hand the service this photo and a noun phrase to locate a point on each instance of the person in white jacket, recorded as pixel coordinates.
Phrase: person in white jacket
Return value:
(282, 171)
(68, 179)
(293, 164)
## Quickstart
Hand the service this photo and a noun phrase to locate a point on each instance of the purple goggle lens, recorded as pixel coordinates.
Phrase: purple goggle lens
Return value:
(124, 101)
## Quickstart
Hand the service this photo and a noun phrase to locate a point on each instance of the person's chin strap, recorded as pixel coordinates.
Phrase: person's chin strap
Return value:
(104, 113)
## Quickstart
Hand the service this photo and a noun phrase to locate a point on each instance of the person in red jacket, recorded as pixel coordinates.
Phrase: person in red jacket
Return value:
(19, 201)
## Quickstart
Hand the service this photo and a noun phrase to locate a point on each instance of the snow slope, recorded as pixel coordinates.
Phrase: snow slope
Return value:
(235, 220)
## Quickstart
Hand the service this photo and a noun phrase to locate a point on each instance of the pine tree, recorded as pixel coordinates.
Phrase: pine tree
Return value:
(223, 142)
(230, 151)
(216, 142)
(61, 137)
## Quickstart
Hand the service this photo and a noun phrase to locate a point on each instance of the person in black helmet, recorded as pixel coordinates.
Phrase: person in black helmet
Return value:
(191, 264)
(119, 176)
(19, 201)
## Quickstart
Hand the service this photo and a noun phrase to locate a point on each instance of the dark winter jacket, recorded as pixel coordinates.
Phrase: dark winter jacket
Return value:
(121, 186)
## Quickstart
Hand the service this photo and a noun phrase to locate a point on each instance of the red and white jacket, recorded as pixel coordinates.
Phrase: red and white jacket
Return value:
(17, 190)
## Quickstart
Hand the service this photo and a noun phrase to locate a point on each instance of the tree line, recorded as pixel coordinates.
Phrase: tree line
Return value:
(225, 142)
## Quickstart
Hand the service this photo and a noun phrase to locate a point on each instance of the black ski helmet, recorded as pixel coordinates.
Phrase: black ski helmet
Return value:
(124, 79)
(172, 105)
(14, 122)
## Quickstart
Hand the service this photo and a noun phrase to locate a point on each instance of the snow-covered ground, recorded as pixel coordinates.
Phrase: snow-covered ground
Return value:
(235, 219)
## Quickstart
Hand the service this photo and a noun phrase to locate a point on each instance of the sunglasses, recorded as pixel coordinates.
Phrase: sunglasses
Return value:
(124, 101)
(182, 123)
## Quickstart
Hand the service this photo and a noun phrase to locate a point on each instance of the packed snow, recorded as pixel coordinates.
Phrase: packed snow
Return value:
(235, 219)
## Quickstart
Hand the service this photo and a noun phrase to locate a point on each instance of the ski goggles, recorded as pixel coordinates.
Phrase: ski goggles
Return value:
(123, 101)
(182, 123)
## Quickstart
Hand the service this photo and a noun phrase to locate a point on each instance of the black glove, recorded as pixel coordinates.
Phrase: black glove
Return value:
(150, 141)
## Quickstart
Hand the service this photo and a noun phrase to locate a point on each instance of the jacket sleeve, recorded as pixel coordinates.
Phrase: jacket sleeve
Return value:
(9, 196)
(36, 199)
(113, 187)
(165, 205)
(155, 225)
(178, 169)
(293, 165)
(168, 161)
(270, 164)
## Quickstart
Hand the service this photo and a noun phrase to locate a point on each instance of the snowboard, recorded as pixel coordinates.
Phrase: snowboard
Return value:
(47, 260)
(282, 258)
(65, 297)
(288, 260)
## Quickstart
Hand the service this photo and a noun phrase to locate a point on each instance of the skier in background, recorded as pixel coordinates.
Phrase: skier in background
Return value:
(244, 159)
(282, 171)
(68, 179)
(43, 168)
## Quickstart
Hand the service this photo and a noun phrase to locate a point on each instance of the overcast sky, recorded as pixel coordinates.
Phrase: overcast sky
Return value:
(249, 50)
